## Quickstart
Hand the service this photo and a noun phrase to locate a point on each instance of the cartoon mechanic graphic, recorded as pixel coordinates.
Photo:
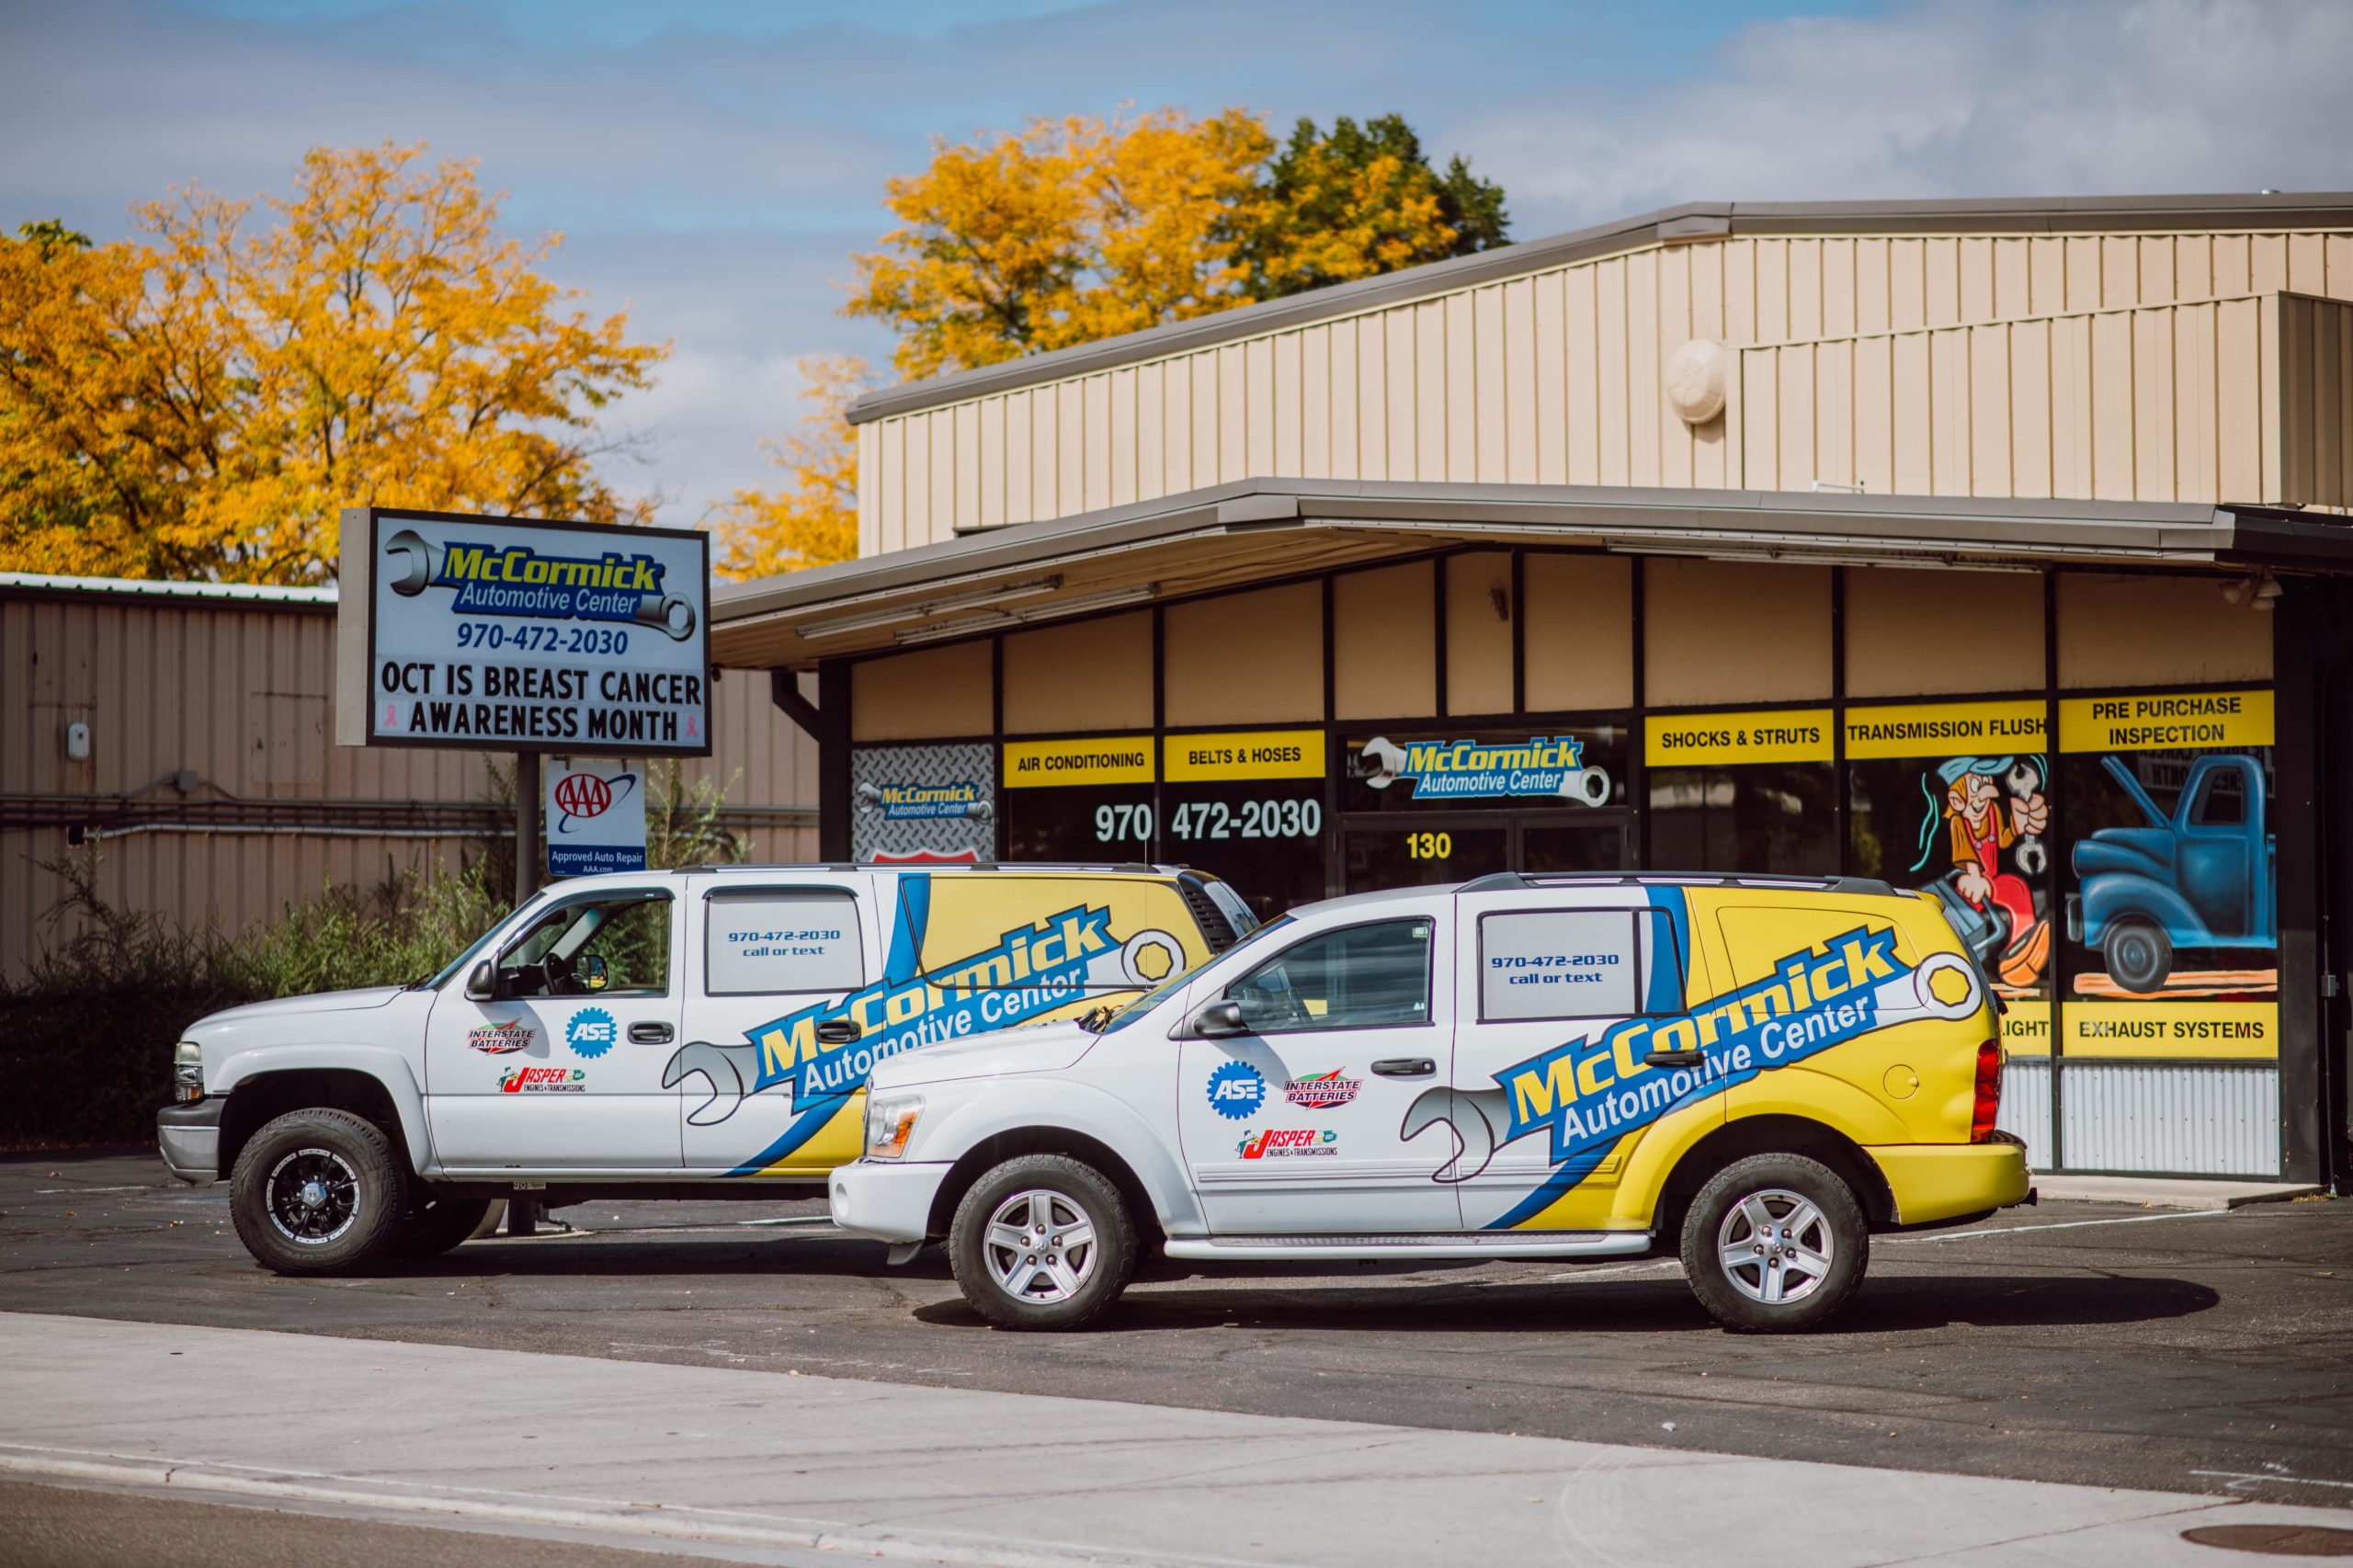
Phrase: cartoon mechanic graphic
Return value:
(1982, 825)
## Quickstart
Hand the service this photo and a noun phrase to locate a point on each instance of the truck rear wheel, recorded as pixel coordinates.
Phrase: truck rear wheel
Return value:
(317, 1192)
(1775, 1242)
(1043, 1242)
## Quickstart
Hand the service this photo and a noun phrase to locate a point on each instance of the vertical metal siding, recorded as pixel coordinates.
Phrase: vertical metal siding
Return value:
(2026, 1108)
(2213, 1119)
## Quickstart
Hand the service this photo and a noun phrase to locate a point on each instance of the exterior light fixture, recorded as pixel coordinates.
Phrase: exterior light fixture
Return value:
(979, 598)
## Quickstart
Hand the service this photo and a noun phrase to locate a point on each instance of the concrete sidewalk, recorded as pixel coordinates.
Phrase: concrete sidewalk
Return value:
(778, 1468)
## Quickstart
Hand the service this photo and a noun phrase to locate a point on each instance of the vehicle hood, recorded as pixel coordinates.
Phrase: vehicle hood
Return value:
(285, 1007)
(1037, 1048)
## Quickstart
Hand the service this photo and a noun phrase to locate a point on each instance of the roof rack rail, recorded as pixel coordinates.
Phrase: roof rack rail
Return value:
(1126, 867)
(1511, 882)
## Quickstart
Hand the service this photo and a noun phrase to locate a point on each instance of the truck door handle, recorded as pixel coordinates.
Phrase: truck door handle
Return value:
(650, 1034)
(1405, 1067)
(838, 1031)
(1692, 1057)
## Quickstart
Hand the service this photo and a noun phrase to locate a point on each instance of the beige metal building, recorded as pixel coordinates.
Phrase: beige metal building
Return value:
(1992, 548)
(186, 730)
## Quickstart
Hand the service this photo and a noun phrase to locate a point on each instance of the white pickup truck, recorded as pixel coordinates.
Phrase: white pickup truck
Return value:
(695, 1033)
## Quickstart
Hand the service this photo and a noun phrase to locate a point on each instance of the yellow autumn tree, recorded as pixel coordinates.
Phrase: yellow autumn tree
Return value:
(812, 520)
(212, 396)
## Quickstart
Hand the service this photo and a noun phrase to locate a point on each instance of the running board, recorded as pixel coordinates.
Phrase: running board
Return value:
(1432, 1245)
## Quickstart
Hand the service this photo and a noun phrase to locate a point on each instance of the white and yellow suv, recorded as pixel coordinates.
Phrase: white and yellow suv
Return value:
(1758, 1071)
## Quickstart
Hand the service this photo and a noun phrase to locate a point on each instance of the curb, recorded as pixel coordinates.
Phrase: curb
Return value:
(648, 1519)
(2165, 1192)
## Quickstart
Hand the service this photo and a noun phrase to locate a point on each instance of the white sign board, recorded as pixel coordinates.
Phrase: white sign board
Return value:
(498, 634)
(596, 818)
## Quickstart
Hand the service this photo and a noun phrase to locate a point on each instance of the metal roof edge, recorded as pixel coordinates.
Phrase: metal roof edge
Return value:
(1665, 224)
(154, 587)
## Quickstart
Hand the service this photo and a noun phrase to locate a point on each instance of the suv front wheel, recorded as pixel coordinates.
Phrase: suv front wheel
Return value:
(1043, 1242)
(1775, 1242)
(317, 1192)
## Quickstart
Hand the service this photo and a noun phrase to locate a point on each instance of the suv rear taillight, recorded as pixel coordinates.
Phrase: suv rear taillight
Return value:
(1985, 1105)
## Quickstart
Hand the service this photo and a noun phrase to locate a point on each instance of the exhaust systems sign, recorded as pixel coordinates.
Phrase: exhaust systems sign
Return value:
(499, 634)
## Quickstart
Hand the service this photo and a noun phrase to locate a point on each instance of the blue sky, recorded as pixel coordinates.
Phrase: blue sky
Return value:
(712, 163)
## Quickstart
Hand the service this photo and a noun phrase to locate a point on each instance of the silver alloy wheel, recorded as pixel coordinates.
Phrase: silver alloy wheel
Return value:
(313, 1195)
(1776, 1246)
(1039, 1246)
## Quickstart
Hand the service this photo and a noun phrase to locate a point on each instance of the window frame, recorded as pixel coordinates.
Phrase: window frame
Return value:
(1429, 975)
(522, 930)
(753, 890)
(1642, 943)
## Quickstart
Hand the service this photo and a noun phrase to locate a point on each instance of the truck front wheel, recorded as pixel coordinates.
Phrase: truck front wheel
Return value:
(1774, 1243)
(2139, 955)
(1043, 1242)
(317, 1192)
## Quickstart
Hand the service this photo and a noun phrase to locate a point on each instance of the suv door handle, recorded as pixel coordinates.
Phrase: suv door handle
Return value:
(1689, 1057)
(650, 1034)
(838, 1031)
(1405, 1067)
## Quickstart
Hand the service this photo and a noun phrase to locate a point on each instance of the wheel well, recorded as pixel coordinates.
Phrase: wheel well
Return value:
(1771, 1135)
(990, 1153)
(261, 1099)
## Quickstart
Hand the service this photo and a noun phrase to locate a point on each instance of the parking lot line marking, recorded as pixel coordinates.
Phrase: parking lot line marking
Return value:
(2282, 1480)
(2065, 1225)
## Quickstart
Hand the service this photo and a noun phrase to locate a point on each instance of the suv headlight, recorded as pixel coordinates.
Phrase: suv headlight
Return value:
(188, 1072)
(889, 1122)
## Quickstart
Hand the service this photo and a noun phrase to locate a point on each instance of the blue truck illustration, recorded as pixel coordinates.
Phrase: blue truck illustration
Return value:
(2201, 878)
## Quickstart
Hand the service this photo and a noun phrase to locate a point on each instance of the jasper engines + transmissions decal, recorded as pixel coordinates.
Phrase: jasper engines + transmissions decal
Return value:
(1587, 1093)
(821, 1054)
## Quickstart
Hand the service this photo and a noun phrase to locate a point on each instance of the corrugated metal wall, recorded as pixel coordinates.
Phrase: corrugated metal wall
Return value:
(240, 694)
(2200, 1118)
(1556, 379)
(2026, 1107)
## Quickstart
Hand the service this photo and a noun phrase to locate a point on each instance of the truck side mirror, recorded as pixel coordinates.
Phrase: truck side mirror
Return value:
(1219, 1020)
(483, 984)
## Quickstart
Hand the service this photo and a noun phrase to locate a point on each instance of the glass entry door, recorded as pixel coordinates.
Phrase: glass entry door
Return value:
(1431, 848)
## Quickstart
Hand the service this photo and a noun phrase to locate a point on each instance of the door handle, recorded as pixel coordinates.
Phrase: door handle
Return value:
(838, 1031)
(1690, 1057)
(1405, 1067)
(650, 1034)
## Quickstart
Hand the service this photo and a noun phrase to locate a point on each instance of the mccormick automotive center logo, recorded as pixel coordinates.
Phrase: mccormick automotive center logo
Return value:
(923, 803)
(591, 1032)
(544, 1081)
(1470, 770)
(1325, 1091)
(518, 580)
(1280, 1143)
(1236, 1090)
(500, 1039)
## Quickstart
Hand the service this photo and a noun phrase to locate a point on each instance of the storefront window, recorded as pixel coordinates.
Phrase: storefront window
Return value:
(1086, 799)
(1749, 791)
(1248, 805)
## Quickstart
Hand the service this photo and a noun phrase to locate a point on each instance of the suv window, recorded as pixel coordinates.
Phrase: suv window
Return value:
(766, 940)
(1360, 977)
(1557, 963)
(617, 946)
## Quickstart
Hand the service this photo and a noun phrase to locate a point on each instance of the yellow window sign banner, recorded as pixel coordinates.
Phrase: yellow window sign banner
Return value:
(1243, 754)
(1093, 759)
(2026, 1028)
(2164, 721)
(2237, 1032)
(1987, 729)
(1697, 740)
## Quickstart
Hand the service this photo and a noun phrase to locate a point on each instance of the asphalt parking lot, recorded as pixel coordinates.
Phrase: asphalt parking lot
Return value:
(2088, 1343)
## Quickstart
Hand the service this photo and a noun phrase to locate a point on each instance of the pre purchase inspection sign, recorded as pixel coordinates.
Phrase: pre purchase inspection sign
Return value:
(505, 634)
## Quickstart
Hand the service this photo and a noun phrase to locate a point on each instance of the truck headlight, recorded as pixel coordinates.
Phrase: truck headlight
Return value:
(188, 1072)
(889, 1122)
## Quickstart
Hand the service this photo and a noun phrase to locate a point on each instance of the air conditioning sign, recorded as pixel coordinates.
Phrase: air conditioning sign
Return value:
(500, 634)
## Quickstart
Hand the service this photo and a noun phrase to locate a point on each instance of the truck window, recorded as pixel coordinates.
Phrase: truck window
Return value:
(1360, 977)
(765, 940)
(1577, 963)
(2222, 802)
(618, 946)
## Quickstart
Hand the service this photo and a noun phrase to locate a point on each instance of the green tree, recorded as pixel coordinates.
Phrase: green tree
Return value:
(1364, 200)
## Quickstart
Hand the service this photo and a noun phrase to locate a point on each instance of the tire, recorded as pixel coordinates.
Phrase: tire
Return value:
(432, 1225)
(1734, 1253)
(2139, 955)
(346, 1223)
(1048, 1283)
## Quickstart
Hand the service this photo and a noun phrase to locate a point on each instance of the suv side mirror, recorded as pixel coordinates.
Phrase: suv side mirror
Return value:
(483, 984)
(1219, 1020)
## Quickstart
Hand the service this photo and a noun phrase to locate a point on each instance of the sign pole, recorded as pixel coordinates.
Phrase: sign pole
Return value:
(526, 824)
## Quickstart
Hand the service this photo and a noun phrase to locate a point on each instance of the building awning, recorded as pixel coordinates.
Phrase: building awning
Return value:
(1253, 531)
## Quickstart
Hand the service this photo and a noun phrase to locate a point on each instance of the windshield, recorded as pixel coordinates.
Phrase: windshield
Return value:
(1175, 982)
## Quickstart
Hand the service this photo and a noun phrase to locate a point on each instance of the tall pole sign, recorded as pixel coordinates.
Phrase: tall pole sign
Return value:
(509, 634)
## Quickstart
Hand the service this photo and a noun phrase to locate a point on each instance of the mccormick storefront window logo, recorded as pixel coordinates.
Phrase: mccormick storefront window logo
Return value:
(920, 802)
(1470, 769)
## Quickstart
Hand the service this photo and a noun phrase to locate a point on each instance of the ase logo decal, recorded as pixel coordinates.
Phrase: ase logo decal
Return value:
(1237, 1089)
(591, 1032)
(1325, 1091)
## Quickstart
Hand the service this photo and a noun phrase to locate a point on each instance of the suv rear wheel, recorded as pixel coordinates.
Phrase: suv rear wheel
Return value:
(317, 1192)
(1043, 1242)
(1775, 1242)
